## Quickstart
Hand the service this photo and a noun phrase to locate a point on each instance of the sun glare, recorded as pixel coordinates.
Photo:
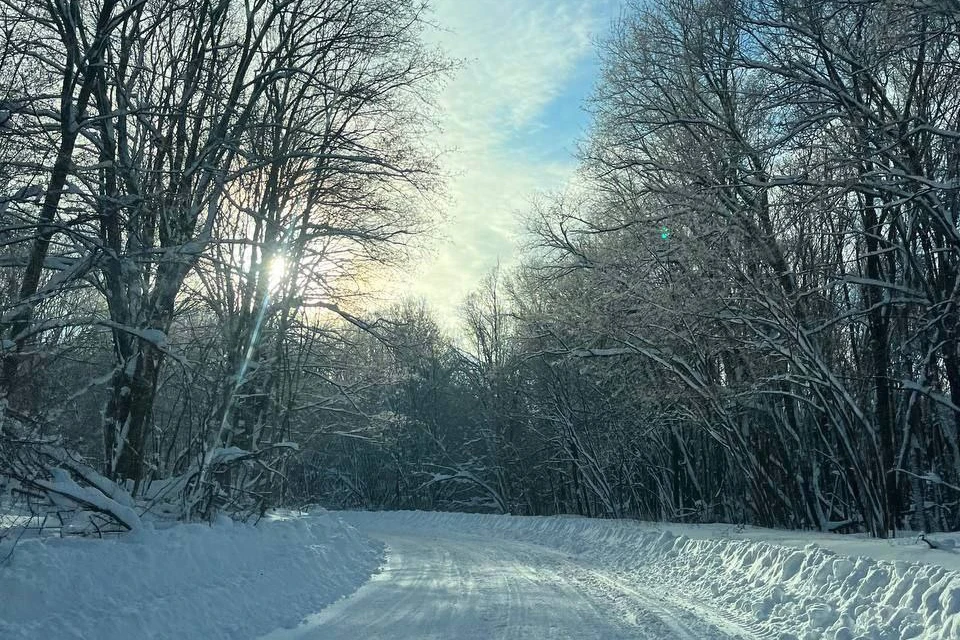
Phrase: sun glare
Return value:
(277, 272)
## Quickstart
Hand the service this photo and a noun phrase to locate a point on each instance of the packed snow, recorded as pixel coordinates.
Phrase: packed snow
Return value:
(730, 578)
(442, 575)
(462, 586)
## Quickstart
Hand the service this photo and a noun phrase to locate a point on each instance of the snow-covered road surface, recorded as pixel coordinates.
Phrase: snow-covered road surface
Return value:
(454, 575)
(446, 585)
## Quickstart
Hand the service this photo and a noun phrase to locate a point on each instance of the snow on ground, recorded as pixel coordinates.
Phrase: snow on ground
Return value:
(906, 547)
(185, 581)
(765, 589)
(477, 577)
(444, 584)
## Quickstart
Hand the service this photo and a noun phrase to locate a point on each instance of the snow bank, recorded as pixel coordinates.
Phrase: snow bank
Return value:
(186, 581)
(778, 591)
(906, 548)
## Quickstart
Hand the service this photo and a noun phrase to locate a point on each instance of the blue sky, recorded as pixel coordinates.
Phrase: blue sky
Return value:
(511, 117)
(563, 120)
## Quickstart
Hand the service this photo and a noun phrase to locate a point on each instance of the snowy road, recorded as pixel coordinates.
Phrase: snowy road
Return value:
(468, 576)
(456, 586)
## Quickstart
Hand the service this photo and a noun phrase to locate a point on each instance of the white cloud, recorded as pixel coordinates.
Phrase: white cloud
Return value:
(518, 56)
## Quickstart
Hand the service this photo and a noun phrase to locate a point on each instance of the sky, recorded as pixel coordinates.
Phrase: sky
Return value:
(510, 119)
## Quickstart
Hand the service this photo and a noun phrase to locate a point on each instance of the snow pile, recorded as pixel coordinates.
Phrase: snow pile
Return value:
(186, 581)
(785, 592)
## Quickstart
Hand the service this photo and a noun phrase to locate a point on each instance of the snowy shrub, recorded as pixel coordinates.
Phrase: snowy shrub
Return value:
(45, 487)
(242, 484)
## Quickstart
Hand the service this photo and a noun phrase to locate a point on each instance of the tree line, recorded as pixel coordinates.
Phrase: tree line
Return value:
(745, 308)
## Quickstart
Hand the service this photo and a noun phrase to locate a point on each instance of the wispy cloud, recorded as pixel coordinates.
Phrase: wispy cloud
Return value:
(520, 58)
(518, 55)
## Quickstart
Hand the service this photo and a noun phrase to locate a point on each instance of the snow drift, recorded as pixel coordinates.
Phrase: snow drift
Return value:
(188, 581)
(776, 591)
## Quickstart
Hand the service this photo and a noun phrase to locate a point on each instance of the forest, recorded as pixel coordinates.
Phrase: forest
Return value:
(743, 309)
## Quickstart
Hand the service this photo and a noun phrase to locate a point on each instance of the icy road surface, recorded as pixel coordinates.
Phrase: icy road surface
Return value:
(442, 585)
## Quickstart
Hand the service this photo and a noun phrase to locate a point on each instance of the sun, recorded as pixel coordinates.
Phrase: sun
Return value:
(277, 272)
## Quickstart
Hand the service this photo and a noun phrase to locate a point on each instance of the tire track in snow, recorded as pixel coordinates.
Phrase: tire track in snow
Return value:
(440, 585)
(675, 615)
(678, 615)
(738, 626)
